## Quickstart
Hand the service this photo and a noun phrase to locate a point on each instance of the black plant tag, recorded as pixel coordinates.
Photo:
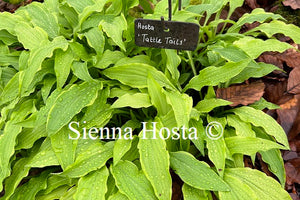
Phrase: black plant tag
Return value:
(166, 34)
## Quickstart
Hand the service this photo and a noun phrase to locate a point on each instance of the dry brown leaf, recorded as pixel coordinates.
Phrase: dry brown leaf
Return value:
(271, 58)
(252, 4)
(294, 4)
(290, 57)
(295, 144)
(242, 94)
(292, 171)
(293, 86)
(295, 130)
(275, 92)
(288, 113)
(294, 196)
(289, 155)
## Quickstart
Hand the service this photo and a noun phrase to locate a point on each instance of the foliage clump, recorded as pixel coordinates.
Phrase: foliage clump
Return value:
(72, 64)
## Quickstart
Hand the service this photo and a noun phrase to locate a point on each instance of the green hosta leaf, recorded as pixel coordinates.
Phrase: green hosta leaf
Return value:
(187, 167)
(255, 70)
(70, 14)
(172, 62)
(233, 5)
(63, 147)
(7, 73)
(217, 153)
(52, 6)
(157, 96)
(27, 137)
(215, 7)
(185, 16)
(155, 162)
(7, 38)
(80, 70)
(40, 16)
(249, 145)
(114, 26)
(257, 15)
(212, 76)
(37, 56)
(207, 105)
(231, 53)
(96, 40)
(44, 111)
(7, 143)
(216, 147)
(23, 60)
(97, 6)
(274, 159)
(11, 90)
(169, 122)
(62, 66)
(9, 135)
(55, 181)
(47, 86)
(44, 157)
(262, 104)
(98, 113)
(9, 21)
(69, 194)
(93, 158)
(118, 196)
(9, 59)
(137, 100)
(146, 5)
(238, 189)
(109, 57)
(115, 8)
(182, 105)
(93, 186)
(32, 187)
(136, 59)
(133, 153)
(255, 47)
(275, 26)
(31, 38)
(79, 51)
(21, 168)
(199, 143)
(55, 194)
(129, 4)
(69, 103)
(190, 193)
(242, 128)
(135, 75)
(260, 119)
(208, 8)
(132, 182)
(254, 183)
(199, 9)
(80, 5)
(19, 171)
(111, 187)
(121, 147)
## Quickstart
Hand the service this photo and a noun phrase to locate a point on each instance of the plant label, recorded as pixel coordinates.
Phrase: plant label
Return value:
(166, 34)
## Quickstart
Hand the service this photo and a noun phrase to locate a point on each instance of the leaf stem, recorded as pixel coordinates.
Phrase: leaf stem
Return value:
(192, 63)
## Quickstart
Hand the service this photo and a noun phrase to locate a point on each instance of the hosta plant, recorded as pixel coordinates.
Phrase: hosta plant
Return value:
(86, 114)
